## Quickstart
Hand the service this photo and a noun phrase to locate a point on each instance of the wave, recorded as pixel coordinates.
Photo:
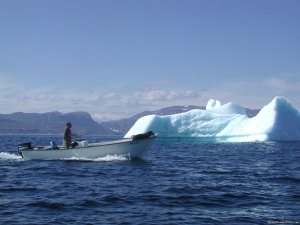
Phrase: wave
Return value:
(286, 179)
(48, 205)
(8, 156)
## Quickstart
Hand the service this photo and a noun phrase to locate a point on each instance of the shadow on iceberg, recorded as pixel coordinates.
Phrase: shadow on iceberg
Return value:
(277, 121)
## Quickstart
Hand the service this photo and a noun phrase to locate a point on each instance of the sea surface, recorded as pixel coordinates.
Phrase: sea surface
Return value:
(179, 182)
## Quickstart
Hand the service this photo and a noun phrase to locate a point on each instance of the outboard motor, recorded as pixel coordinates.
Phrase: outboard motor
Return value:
(26, 145)
(23, 146)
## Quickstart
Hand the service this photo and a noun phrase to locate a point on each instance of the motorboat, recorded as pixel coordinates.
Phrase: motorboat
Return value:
(134, 147)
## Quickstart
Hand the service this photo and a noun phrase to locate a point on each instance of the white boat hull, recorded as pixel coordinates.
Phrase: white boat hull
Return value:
(133, 149)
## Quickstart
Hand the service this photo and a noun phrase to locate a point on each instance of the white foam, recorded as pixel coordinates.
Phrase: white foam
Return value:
(8, 156)
(108, 158)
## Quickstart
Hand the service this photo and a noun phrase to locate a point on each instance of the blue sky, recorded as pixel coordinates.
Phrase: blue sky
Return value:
(115, 58)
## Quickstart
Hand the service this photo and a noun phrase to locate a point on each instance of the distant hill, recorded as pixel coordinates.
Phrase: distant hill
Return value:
(49, 123)
(54, 122)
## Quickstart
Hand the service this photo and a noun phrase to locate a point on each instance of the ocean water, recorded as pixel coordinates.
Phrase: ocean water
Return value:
(179, 182)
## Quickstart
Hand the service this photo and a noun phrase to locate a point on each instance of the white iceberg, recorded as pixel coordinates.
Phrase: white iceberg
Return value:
(277, 121)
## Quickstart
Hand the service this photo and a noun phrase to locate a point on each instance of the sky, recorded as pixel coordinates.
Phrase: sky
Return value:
(116, 58)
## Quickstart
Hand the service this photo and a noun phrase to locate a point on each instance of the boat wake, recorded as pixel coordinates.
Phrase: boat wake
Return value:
(108, 158)
(8, 156)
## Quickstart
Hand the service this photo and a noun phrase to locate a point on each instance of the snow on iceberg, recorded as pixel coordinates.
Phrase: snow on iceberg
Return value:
(277, 121)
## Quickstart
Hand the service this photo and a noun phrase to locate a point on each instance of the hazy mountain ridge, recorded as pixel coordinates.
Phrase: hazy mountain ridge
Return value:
(49, 123)
(54, 122)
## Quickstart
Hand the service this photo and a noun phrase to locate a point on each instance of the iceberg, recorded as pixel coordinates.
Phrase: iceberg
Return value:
(277, 121)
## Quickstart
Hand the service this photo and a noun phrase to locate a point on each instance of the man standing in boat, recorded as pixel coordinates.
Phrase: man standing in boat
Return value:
(67, 136)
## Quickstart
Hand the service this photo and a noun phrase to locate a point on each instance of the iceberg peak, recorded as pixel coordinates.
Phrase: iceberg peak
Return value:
(212, 103)
(283, 119)
(229, 108)
(279, 103)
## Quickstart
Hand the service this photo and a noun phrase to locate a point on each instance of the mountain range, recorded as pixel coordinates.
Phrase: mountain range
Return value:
(83, 124)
